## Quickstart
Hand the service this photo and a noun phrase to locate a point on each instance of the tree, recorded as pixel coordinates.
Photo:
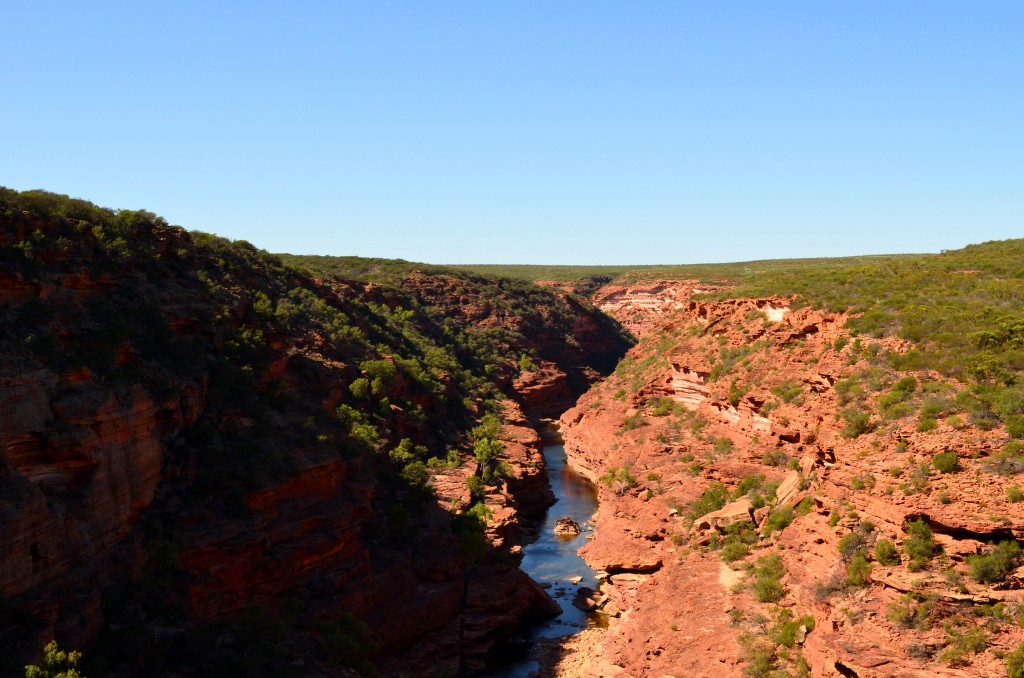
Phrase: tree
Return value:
(56, 664)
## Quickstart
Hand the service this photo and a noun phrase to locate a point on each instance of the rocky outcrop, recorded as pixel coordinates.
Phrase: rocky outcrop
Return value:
(79, 469)
(640, 307)
(566, 527)
(544, 391)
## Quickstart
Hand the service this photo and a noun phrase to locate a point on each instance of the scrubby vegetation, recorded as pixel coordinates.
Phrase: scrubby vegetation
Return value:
(767, 576)
(56, 664)
(712, 499)
(996, 564)
(919, 545)
(959, 309)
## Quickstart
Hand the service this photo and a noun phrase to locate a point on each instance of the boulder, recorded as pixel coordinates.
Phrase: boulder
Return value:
(738, 511)
(566, 527)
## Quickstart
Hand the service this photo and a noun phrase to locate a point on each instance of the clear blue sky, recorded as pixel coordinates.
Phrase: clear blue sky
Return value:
(530, 132)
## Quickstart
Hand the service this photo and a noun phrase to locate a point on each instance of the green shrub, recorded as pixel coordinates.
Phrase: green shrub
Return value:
(863, 481)
(360, 388)
(749, 484)
(946, 462)
(416, 474)
(788, 392)
(723, 445)
(885, 552)
(995, 565)
(1015, 663)
(857, 421)
(849, 544)
(660, 406)
(348, 641)
(768, 590)
(56, 664)
(905, 385)
(736, 393)
(926, 424)
(710, 500)
(1015, 426)
(1014, 494)
(911, 611)
(919, 545)
(900, 392)
(1009, 401)
(973, 641)
(919, 478)
(759, 653)
(734, 550)
(805, 506)
(934, 408)
(633, 421)
(858, 570)
(1010, 460)
(619, 479)
(767, 573)
(471, 528)
(778, 520)
(848, 390)
(784, 631)
(486, 450)
(476, 486)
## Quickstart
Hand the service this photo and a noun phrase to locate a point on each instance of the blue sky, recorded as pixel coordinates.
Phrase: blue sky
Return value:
(530, 132)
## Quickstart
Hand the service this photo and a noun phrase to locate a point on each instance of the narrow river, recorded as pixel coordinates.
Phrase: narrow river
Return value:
(552, 561)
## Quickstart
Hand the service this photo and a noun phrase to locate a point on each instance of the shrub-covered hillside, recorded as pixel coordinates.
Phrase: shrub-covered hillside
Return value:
(961, 310)
(213, 462)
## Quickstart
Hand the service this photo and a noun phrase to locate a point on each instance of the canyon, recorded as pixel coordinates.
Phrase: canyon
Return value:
(212, 461)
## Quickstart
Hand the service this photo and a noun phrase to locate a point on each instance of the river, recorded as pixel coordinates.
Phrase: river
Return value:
(552, 560)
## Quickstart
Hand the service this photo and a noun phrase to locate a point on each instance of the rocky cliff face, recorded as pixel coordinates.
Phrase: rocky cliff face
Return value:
(210, 462)
(640, 307)
(774, 496)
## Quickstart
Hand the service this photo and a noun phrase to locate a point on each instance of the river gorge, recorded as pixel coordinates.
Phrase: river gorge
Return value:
(552, 560)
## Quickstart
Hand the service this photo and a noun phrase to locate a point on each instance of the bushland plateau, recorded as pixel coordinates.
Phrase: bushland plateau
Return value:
(215, 460)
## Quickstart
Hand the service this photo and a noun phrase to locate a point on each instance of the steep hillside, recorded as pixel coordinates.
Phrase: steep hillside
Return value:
(213, 463)
(822, 484)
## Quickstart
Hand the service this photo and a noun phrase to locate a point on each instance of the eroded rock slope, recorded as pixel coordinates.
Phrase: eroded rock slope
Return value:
(776, 497)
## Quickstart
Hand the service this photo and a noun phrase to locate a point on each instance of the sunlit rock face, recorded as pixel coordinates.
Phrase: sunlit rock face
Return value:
(720, 392)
